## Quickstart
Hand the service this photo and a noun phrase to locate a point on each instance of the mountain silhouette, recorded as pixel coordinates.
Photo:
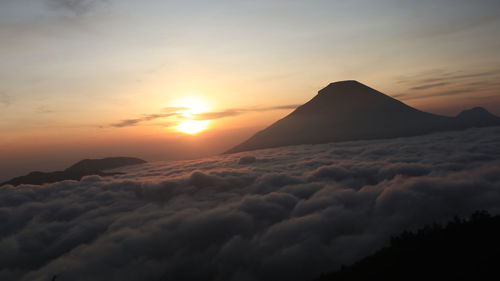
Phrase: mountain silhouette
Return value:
(77, 171)
(478, 117)
(349, 110)
(104, 164)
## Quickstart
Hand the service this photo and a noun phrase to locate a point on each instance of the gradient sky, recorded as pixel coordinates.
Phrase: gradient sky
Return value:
(75, 72)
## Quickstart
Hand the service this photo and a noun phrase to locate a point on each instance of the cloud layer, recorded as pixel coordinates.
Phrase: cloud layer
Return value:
(277, 214)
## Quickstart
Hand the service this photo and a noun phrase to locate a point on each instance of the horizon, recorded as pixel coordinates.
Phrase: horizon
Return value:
(186, 131)
(125, 123)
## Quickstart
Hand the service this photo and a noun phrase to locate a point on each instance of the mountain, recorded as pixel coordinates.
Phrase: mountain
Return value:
(77, 171)
(104, 164)
(478, 117)
(349, 110)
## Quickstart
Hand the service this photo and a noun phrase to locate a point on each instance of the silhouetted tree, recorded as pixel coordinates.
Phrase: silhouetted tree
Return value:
(462, 249)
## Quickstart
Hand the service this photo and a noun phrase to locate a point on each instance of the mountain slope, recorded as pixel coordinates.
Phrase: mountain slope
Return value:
(349, 110)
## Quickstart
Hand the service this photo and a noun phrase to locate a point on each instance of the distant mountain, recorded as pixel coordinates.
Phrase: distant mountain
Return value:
(92, 165)
(478, 117)
(349, 110)
(77, 171)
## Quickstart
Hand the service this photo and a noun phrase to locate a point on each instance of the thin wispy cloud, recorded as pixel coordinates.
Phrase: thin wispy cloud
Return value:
(459, 76)
(436, 77)
(444, 29)
(5, 100)
(44, 109)
(178, 112)
(462, 17)
(238, 111)
(441, 93)
(145, 118)
(429, 86)
(438, 83)
(217, 114)
(77, 7)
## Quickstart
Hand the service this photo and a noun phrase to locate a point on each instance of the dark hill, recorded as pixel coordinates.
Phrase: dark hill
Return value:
(77, 171)
(461, 250)
(478, 117)
(349, 110)
(104, 164)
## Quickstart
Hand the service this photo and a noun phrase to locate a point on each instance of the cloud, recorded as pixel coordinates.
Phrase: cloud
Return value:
(437, 76)
(77, 7)
(239, 111)
(281, 214)
(449, 83)
(217, 114)
(461, 18)
(429, 86)
(5, 100)
(461, 76)
(437, 94)
(44, 109)
(145, 118)
(177, 112)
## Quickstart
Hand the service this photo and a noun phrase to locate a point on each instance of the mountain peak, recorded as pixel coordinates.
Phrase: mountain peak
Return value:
(349, 91)
(349, 96)
(345, 82)
(478, 117)
(343, 86)
(349, 110)
(474, 110)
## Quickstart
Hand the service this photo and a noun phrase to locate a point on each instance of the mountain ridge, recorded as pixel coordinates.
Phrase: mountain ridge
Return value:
(349, 110)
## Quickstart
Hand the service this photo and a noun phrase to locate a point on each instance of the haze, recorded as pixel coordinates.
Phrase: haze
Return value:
(92, 78)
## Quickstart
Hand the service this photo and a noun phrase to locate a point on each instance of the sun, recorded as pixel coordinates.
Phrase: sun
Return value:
(192, 127)
(189, 108)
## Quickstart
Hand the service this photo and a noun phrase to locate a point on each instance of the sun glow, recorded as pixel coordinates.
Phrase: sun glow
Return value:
(192, 127)
(191, 107)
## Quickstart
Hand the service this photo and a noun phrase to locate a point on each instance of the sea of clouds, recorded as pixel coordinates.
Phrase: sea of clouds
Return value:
(277, 214)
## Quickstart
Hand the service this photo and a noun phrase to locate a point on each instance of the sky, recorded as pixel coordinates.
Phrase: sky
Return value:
(96, 78)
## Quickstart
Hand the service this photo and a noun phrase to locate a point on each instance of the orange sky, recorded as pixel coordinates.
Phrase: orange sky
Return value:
(71, 73)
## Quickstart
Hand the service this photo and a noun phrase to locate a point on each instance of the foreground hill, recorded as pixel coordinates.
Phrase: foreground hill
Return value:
(77, 171)
(349, 110)
(460, 250)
